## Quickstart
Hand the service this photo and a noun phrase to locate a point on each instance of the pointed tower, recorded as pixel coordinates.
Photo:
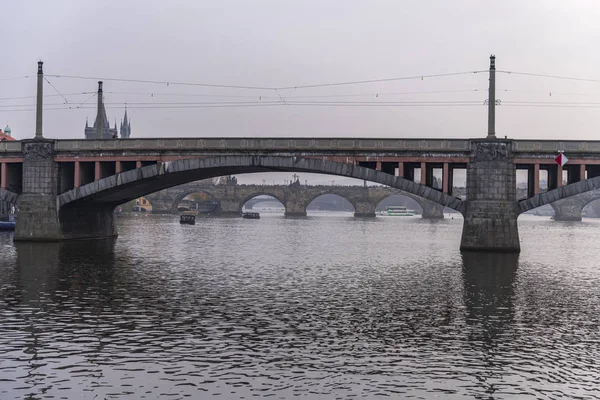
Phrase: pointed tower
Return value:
(101, 128)
(125, 127)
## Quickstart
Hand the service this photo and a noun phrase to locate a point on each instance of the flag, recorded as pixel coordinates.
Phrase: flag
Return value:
(561, 159)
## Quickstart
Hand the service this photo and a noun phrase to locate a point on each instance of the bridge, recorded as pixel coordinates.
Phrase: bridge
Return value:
(295, 198)
(68, 189)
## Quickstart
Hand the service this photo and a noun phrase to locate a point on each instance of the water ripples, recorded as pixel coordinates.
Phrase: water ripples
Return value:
(327, 307)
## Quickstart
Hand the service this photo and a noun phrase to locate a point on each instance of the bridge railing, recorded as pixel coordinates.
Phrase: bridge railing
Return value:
(274, 144)
(10, 147)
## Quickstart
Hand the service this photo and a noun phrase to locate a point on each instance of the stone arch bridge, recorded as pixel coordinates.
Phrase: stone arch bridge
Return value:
(68, 189)
(295, 198)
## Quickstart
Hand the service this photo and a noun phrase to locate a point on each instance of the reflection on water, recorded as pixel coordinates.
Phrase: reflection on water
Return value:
(325, 307)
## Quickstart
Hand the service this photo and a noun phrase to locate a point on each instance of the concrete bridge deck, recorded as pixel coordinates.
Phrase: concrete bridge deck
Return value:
(71, 186)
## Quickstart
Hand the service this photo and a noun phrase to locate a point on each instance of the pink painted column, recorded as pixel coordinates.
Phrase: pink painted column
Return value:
(423, 173)
(138, 164)
(401, 169)
(77, 178)
(117, 167)
(3, 175)
(582, 172)
(97, 172)
(536, 178)
(559, 176)
(378, 166)
(445, 178)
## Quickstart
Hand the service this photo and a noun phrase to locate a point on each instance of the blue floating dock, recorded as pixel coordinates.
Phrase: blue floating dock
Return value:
(7, 225)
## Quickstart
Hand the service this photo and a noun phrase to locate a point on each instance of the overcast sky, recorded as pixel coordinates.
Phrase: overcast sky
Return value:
(281, 43)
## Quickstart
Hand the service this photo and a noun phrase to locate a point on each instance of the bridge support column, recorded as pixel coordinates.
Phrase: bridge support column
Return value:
(490, 212)
(432, 210)
(162, 206)
(364, 209)
(567, 210)
(38, 208)
(295, 208)
(229, 208)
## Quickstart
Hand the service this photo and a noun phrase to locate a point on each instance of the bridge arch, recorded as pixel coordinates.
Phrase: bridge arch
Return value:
(563, 192)
(315, 198)
(131, 184)
(177, 199)
(252, 195)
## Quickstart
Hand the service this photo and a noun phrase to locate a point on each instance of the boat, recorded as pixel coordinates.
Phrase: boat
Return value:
(7, 225)
(188, 219)
(251, 215)
(397, 211)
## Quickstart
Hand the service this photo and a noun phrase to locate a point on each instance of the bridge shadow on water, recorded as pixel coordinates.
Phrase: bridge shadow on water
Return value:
(56, 268)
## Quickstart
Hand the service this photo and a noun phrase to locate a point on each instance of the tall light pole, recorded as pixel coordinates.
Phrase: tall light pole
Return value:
(492, 100)
(40, 101)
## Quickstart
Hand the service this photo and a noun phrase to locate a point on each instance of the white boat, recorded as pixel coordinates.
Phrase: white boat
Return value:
(397, 211)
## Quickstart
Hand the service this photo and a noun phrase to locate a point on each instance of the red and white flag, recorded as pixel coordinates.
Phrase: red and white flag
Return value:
(561, 159)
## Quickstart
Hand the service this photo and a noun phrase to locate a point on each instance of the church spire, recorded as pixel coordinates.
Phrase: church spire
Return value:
(125, 126)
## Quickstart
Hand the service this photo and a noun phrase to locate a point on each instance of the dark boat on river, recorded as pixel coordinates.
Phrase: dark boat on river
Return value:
(187, 219)
(251, 215)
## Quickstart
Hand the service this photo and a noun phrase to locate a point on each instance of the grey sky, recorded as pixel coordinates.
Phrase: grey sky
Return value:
(287, 43)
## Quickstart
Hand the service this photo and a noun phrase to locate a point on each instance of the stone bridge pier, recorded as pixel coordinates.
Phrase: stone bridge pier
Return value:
(490, 214)
(40, 218)
(364, 209)
(432, 210)
(162, 206)
(567, 210)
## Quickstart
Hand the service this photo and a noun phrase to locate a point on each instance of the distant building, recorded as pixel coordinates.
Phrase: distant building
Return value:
(6, 135)
(125, 127)
(101, 128)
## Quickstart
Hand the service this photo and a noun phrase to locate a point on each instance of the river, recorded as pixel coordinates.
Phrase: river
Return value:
(318, 308)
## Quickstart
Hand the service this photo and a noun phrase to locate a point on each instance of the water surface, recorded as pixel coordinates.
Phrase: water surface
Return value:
(318, 308)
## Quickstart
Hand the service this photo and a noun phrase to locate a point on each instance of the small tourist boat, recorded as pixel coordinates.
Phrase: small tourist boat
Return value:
(251, 215)
(7, 225)
(397, 211)
(188, 219)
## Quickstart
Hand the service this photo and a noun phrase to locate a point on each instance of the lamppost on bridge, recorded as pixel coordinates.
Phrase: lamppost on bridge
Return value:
(492, 100)
(40, 99)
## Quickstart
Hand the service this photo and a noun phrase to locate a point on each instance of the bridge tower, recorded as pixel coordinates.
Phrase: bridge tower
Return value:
(490, 214)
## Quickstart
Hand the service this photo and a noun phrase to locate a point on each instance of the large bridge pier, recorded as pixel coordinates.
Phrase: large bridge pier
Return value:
(160, 206)
(230, 208)
(296, 205)
(490, 212)
(432, 210)
(38, 212)
(567, 210)
(364, 209)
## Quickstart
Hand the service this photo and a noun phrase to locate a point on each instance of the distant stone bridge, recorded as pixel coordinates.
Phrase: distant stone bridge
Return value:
(295, 198)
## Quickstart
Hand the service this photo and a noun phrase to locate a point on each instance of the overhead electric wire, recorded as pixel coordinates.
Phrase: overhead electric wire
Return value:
(15, 78)
(46, 95)
(168, 83)
(54, 87)
(378, 80)
(274, 88)
(548, 76)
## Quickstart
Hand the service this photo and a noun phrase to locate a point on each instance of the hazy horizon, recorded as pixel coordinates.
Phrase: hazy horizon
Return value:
(288, 44)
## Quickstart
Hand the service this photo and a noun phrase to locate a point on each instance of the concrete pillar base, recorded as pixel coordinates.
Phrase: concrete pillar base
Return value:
(432, 210)
(38, 219)
(295, 214)
(490, 226)
(365, 215)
